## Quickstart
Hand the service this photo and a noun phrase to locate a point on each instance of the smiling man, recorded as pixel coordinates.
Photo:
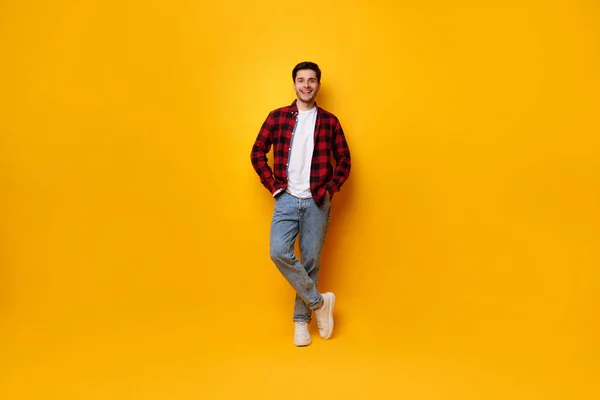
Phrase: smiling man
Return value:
(304, 139)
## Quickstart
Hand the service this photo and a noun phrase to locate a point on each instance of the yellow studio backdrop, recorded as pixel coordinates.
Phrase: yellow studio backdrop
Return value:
(463, 249)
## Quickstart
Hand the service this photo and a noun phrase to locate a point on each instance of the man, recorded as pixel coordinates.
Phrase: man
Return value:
(303, 181)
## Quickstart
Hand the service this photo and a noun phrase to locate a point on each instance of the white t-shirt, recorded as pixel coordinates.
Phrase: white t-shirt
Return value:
(301, 151)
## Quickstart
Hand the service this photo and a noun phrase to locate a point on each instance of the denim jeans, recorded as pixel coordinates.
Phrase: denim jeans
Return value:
(292, 217)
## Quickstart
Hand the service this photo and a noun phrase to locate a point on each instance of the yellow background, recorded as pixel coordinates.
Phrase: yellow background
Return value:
(134, 232)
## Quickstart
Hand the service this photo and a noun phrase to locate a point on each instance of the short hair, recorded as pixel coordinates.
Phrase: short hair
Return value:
(306, 65)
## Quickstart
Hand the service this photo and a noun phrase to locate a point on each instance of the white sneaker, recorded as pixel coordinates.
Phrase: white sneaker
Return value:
(324, 315)
(301, 334)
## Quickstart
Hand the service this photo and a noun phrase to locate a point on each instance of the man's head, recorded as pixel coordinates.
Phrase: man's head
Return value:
(307, 81)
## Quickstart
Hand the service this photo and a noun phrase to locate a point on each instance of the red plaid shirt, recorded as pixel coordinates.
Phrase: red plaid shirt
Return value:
(329, 140)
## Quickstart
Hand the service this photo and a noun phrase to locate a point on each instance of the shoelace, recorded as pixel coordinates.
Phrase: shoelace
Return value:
(320, 321)
(299, 331)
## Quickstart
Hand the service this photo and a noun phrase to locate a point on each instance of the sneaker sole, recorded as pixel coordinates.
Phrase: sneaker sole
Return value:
(330, 317)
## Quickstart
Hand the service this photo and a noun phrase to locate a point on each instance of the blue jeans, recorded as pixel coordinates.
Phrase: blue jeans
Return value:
(292, 217)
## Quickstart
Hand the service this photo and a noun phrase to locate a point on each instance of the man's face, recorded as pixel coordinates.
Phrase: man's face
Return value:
(306, 85)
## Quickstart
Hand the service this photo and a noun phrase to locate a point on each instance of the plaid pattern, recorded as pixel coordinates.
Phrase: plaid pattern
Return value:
(277, 131)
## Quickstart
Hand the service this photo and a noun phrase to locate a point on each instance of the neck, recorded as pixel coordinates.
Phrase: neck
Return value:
(305, 106)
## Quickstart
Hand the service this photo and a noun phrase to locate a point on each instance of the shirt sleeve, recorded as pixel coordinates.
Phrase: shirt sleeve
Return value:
(258, 156)
(341, 154)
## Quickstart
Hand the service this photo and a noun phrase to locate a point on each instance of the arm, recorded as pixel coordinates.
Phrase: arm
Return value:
(341, 154)
(258, 156)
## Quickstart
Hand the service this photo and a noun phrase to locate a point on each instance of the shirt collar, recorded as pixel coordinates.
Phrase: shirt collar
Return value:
(294, 106)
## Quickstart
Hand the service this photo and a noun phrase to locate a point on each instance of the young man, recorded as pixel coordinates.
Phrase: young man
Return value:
(304, 138)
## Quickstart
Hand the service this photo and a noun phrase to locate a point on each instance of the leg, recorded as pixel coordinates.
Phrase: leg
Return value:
(284, 230)
(313, 225)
